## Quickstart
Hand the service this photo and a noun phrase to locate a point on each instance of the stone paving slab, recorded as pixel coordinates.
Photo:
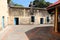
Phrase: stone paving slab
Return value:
(13, 34)
(4, 31)
(17, 32)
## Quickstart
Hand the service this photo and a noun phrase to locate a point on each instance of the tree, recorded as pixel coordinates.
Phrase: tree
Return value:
(41, 3)
(8, 1)
(47, 4)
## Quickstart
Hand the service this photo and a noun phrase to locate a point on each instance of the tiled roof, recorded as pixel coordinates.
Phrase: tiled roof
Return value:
(54, 4)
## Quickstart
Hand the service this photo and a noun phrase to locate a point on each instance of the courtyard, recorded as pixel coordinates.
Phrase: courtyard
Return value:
(35, 20)
(29, 32)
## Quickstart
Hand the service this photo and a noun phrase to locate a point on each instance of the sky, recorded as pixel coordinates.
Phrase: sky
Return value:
(25, 3)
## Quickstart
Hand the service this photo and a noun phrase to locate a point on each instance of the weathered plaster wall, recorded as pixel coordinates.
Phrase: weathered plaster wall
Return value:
(24, 15)
(3, 12)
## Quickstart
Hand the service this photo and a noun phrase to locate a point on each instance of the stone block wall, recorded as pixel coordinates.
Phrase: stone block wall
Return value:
(24, 16)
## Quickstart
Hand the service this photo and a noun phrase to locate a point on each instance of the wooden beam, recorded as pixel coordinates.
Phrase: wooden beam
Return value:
(53, 7)
(56, 19)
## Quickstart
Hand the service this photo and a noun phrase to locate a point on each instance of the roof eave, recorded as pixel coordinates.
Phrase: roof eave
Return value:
(53, 5)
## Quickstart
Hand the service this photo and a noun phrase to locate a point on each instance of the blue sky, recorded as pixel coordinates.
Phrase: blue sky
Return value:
(26, 2)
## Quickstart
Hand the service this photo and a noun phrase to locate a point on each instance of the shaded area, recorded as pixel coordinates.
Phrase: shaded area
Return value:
(42, 33)
(58, 26)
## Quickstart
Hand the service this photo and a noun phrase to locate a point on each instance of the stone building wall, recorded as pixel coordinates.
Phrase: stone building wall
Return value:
(24, 15)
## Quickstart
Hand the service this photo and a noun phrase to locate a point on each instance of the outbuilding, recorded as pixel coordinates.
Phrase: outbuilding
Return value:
(54, 9)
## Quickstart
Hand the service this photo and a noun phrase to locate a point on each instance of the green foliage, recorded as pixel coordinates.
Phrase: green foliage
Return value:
(41, 3)
(48, 3)
(8, 1)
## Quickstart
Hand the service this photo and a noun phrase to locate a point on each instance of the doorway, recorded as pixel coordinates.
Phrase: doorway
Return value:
(41, 20)
(3, 22)
(47, 19)
(16, 21)
(32, 19)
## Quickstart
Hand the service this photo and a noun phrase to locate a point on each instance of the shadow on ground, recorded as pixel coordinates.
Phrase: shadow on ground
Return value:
(42, 33)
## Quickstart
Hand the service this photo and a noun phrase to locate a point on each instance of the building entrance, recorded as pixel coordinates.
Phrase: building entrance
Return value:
(16, 21)
(41, 20)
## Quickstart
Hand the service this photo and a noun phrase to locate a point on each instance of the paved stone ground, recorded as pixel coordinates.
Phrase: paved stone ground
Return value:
(28, 32)
(42, 33)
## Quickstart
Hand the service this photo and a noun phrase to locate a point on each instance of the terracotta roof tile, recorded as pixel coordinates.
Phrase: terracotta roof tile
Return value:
(56, 3)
